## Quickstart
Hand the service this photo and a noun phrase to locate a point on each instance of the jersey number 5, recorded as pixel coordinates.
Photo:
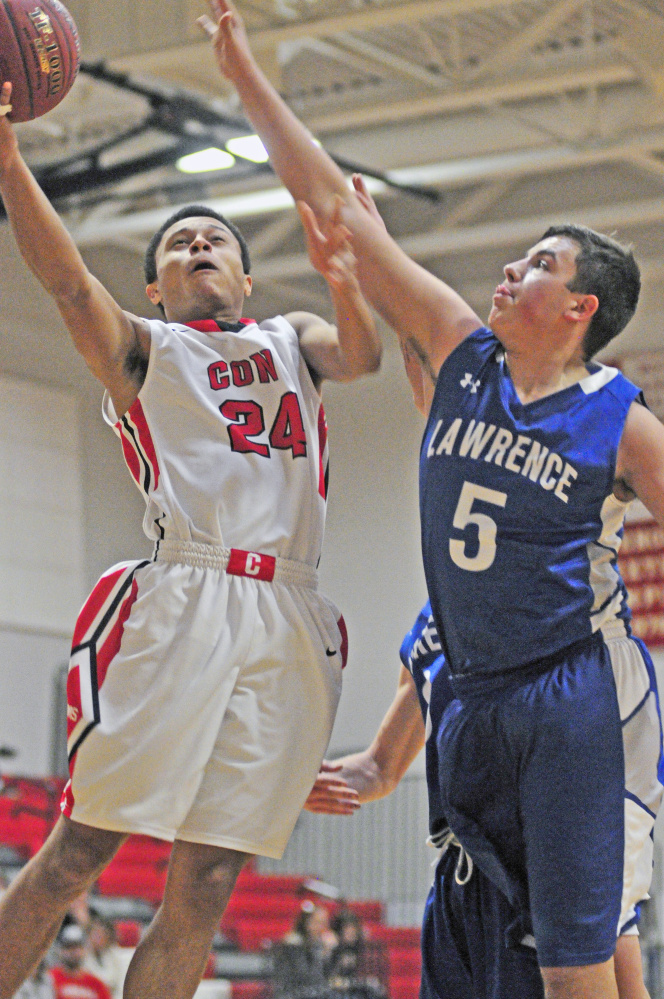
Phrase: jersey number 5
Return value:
(463, 515)
(246, 421)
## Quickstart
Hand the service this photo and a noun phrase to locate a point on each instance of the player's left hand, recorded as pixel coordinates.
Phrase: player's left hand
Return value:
(226, 30)
(331, 794)
(329, 246)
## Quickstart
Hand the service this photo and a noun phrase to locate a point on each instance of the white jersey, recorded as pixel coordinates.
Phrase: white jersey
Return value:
(227, 439)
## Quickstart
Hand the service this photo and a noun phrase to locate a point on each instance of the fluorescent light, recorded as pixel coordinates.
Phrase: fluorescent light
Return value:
(205, 161)
(249, 147)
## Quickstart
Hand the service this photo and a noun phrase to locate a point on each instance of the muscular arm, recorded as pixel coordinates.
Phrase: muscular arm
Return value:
(376, 771)
(114, 344)
(418, 306)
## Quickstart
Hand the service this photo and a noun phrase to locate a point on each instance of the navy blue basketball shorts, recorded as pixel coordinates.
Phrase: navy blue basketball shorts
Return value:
(550, 781)
(465, 932)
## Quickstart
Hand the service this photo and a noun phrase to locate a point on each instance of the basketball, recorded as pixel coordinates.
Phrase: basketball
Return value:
(39, 55)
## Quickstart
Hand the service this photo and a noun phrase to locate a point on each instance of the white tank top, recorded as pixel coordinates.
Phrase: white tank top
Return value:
(227, 440)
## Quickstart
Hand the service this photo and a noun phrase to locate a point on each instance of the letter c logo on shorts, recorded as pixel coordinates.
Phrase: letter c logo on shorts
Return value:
(253, 564)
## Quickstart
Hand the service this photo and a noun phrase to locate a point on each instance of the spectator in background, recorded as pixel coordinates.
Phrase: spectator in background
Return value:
(79, 912)
(346, 960)
(103, 957)
(302, 958)
(356, 968)
(69, 979)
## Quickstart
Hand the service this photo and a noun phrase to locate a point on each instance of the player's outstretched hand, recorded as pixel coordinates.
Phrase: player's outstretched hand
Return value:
(365, 199)
(331, 794)
(329, 247)
(226, 30)
(8, 143)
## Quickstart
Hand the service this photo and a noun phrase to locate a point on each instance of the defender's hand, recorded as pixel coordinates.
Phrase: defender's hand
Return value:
(226, 30)
(331, 794)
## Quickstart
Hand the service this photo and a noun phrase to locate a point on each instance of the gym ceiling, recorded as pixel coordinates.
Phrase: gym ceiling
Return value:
(503, 115)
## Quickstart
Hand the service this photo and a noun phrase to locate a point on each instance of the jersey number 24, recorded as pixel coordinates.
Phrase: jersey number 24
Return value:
(246, 421)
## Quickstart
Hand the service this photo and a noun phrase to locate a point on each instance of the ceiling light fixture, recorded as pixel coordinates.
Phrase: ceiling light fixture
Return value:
(205, 161)
(248, 147)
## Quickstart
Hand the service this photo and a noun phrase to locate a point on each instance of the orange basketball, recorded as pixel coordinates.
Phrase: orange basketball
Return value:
(39, 55)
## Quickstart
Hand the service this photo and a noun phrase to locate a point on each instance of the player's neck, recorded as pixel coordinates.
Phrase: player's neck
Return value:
(536, 374)
(222, 317)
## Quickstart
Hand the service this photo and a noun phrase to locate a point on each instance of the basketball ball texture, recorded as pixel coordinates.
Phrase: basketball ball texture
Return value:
(39, 55)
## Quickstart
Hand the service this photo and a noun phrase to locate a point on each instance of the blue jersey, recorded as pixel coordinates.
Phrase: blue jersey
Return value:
(520, 527)
(421, 655)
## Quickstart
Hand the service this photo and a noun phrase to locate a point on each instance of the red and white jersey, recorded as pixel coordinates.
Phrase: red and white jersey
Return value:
(227, 439)
(77, 985)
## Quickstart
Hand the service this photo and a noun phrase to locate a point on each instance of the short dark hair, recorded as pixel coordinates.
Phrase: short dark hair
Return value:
(607, 269)
(190, 212)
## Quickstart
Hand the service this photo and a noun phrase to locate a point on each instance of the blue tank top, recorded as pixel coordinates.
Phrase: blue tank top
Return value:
(520, 528)
(421, 655)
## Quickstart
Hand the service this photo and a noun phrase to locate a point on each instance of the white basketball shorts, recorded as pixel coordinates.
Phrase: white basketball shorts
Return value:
(200, 703)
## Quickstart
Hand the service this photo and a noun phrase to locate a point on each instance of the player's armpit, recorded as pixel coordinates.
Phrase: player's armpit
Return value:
(114, 344)
(640, 464)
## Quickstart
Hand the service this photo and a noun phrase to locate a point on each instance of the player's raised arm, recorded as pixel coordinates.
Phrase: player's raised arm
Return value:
(114, 345)
(416, 304)
(352, 347)
(376, 771)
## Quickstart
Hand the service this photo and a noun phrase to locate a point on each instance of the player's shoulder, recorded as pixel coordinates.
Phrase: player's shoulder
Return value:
(605, 381)
(478, 347)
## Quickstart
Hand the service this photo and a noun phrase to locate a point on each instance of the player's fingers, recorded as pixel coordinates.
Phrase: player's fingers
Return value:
(328, 767)
(330, 810)
(313, 235)
(207, 25)
(337, 210)
(330, 806)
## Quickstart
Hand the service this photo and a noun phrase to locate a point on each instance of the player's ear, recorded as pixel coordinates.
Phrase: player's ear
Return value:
(248, 285)
(153, 293)
(582, 308)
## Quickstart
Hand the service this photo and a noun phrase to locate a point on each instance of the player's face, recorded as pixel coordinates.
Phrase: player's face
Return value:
(534, 295)
(199, 271)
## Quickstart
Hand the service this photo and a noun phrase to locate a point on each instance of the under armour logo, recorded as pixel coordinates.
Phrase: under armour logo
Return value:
(467, 382)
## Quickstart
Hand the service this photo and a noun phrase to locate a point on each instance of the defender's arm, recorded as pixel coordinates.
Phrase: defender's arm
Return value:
(375, 772)
(114, 344)
(418, 306)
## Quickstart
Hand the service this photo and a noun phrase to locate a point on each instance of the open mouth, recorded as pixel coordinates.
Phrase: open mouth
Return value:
(203, 265)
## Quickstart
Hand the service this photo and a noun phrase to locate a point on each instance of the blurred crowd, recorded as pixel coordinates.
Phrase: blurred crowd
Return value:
(325, 956)
(83, 963)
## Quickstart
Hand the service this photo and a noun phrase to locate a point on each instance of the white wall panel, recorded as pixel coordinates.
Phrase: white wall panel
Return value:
(41, 510)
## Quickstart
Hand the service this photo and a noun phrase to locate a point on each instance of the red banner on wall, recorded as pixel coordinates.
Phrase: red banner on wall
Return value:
(641, 564)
